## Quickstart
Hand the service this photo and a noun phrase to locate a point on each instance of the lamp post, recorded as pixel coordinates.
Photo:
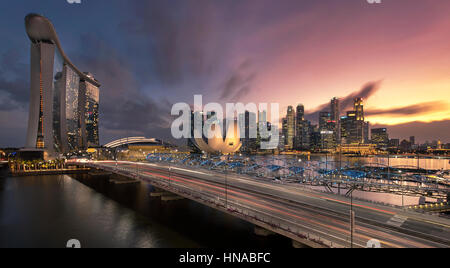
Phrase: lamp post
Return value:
(226, 189)
(352, 216)
(169, 171)
(389, 169)
(137, 170)
(403, 193)
(352, 219)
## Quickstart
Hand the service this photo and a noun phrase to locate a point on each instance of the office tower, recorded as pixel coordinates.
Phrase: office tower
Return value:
(249, 144)
(360, 125)
(324, 120)
(326, 131)
(353, 128)
(56, 119)
(405, 146)
(299, 126)
(359, 109)
(412, 140)
(349, 128)
(335, 116)
(366, 132)
(306, 135)
(380, 137)
(90, 97)
(315, 141)
(284, 131)
(300, 116)
(394, 143)
(335, 111)
(290, 125)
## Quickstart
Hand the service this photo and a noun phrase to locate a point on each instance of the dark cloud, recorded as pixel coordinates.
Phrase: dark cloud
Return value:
(14, 89)
(420, 108)
(239, 82)
(346, 103)
(366, 92)
(178, 38)
(125, 109)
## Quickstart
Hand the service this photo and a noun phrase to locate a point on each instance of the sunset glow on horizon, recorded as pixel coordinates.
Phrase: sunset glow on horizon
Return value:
(404, 47)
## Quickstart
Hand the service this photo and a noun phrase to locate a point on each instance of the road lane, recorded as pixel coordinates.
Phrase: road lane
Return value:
(310, 209)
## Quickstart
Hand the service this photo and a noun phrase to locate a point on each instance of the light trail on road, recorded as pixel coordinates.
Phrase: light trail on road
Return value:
(334, 227)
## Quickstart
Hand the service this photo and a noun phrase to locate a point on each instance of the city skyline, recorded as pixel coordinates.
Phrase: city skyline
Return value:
(296, 56)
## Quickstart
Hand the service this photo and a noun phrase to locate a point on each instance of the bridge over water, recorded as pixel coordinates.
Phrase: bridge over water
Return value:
(311, 218)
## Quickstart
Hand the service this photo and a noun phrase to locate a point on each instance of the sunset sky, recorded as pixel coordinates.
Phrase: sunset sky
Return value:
(151, 54)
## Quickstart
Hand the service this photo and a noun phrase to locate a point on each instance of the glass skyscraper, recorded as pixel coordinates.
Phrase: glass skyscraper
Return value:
(290, 128)
(91, 97)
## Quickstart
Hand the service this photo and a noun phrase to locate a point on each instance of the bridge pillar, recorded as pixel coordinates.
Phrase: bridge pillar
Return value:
(170, 197)
(422, 200)
(165, 196)
(156, 194)
(296, 244)
(262, 232)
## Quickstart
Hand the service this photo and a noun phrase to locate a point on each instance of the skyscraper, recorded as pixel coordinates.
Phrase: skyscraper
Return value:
(324, 120)
(353, 127)
(89, 111)
(299, 126)
(380, 137)
(55, 121)
(366, 132)
(359, 109)
(335, 111)
(290, 121)
(284, 131)
(249, 144)
(326, 131)
(335, 116)
(412, 140)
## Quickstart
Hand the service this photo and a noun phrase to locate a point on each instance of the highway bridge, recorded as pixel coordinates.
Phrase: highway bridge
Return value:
(308, 217)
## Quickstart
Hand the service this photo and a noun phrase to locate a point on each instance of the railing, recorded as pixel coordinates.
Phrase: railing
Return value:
(378, 178)
(295, 230)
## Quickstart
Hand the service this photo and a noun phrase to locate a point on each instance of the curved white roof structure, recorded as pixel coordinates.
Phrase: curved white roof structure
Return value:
(132, 140)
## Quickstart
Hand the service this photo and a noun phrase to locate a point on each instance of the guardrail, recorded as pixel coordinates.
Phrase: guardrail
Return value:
(293, 230)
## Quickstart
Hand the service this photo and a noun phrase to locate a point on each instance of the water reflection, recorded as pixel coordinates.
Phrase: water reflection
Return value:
(47, 211)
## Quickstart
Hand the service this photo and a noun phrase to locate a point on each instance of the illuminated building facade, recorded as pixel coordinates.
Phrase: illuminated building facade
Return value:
(335, 116)
(359, 109)
(249, 121)
(353, 127)
(90, 96)
(290, 128)
(380, 137)
(56, 117)
(299, 126)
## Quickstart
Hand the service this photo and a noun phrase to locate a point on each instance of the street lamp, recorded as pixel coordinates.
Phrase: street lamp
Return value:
(169, 171)
(352, 217)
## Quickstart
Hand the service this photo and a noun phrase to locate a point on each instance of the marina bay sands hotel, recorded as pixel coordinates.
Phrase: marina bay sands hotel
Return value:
(64, 102)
